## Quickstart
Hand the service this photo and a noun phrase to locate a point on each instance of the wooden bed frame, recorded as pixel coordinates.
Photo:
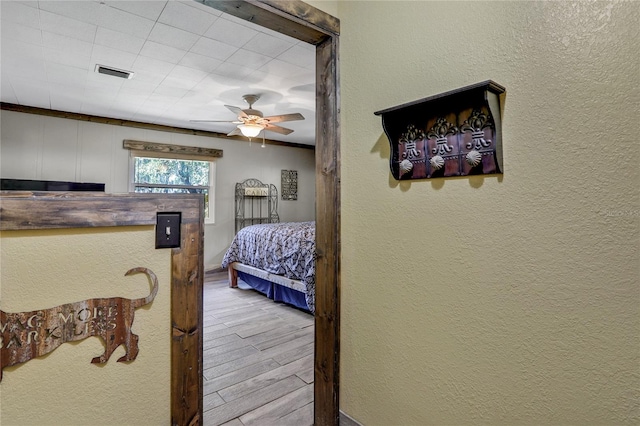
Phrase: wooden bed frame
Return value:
(234, 267)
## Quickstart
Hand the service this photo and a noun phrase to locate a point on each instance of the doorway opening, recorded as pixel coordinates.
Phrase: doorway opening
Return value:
(303, 22)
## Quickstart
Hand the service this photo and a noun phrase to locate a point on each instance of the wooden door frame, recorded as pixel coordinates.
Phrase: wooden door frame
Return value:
(304, 22)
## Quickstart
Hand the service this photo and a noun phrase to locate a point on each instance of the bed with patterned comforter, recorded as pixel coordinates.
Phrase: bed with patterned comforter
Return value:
(283, 249)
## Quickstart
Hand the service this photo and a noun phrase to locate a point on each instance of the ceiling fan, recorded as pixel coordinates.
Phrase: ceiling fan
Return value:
(251, 121)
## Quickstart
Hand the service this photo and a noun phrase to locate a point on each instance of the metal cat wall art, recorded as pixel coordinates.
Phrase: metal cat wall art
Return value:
(27, 335)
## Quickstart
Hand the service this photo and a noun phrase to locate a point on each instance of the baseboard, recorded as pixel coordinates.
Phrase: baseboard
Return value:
(346, 420)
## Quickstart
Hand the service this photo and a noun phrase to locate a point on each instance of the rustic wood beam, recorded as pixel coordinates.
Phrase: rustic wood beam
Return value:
(293, 18)
(327, 321)
(163, 148)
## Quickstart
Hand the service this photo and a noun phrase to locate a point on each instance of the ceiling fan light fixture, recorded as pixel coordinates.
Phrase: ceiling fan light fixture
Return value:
(250, 130)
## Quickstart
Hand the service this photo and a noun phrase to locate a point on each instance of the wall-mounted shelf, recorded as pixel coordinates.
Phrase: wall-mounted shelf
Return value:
(456, 133)
(256, 203)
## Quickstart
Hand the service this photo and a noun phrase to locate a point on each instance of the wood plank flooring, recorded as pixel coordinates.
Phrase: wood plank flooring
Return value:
(257, 357)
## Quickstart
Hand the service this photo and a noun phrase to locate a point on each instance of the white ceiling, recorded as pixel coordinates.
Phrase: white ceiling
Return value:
(189, 61)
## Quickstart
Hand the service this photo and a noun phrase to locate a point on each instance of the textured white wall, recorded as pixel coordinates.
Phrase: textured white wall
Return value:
(39, 147)
(498, 300)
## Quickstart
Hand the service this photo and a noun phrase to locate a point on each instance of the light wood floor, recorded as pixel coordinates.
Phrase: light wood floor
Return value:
(257, 357)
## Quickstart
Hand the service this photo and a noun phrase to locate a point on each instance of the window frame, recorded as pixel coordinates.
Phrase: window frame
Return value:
(210, 220)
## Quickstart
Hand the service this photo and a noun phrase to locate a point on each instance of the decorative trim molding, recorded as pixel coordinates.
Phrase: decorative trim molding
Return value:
(163, 148)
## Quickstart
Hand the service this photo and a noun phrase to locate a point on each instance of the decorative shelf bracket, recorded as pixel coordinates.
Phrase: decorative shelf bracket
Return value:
(456, 133)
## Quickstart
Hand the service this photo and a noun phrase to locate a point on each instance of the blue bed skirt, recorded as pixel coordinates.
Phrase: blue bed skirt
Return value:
(276, 292)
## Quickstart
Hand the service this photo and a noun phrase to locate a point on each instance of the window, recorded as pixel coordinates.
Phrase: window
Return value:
(172, 175)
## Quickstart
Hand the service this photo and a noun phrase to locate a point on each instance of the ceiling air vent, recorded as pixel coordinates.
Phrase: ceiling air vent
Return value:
(114, 72)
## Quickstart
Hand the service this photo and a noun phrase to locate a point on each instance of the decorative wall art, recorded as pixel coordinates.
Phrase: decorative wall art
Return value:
(456, 133)
(28, 335)
(289, 184)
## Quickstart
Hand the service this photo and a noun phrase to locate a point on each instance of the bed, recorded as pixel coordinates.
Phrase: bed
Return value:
(276, 259)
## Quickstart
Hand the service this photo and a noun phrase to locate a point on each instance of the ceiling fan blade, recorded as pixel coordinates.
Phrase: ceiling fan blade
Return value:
(234, 132)
(284, 117)
(278, 129)
(237, 111)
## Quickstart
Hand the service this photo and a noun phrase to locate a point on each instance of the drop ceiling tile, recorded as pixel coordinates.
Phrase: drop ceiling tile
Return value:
(28, 69)
(85, 11)
(69, 27)
(283, 69)
(139, 86)
(162, 100)
(122, 111)
(208, 89)
(17, 49)
(124, 100)
(59, 74)
(69, 90)
(118, 40)
(199, 6)
(100, 92)
(170, 92)
(100, 83)
(161, 52)
(268, 45)
(19, 14)
(187, 86)
(240, 21)
(248, 59)
(263, 78)
(148, 113)
(143, 79)
(145, 63)
(177, 83)
(187, 111)
(213, 48)
(187, 18)
(230, 32)
(186, 73)
(65, 57)
(299, 56)
(146, 9)
(234, 71)
(306, 45)
(124, 22)
(30, 3)
(63, 102)
(109, 57)
(200, 62)
(14, 31)
(99, 108)
(31, 92)
(8, 94)
(174, 37)
(303, 78)
(57, 41)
